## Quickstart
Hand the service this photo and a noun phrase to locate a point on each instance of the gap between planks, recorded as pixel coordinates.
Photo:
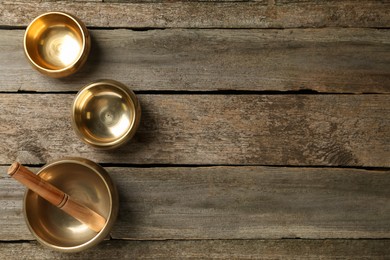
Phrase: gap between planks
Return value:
(148, 166)
(208, 14)
(219, 249)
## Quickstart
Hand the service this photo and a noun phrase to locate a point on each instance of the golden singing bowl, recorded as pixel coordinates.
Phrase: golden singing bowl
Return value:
(57, 44)
(105, 114)
(86, 182)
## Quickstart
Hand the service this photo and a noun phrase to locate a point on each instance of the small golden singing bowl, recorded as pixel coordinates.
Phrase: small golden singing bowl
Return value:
(105, 114)
(57, 44)
(86, 182)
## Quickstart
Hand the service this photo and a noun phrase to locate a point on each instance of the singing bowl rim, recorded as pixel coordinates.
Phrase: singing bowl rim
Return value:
(77, 63)
(133, 126)
(112, 216)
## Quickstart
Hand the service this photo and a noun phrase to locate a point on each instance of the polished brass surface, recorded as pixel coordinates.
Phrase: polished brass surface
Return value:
(106, 114)
(86, 182)
(57, 44)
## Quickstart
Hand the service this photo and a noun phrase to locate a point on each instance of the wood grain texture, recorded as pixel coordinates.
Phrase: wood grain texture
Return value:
(324, 60)
(212, 249)
(235, 203)
(174, 1)
(208, 14)
(346, 130)
(173, 203)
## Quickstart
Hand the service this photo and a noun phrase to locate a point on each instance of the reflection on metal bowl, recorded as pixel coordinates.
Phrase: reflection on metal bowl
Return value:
(106, 114)
(57, 44)
(86, 182)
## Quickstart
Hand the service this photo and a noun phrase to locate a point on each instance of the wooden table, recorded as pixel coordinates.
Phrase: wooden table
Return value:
(265, 129)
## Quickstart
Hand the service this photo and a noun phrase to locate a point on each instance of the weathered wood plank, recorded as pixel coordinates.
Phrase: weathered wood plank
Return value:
(12, 223)
(235, 203)
(282, 2)
(207, 14)
(211, 249)
(38, 1)
(348, 130)
(325, 60)
(173, 1)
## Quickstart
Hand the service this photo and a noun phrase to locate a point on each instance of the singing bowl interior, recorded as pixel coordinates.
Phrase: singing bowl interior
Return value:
(84, 181)
(56, 44)
(105, 114)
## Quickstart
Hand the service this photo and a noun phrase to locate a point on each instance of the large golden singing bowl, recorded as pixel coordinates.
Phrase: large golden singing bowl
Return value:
(105, 114)
(57, 44)
(86, 182)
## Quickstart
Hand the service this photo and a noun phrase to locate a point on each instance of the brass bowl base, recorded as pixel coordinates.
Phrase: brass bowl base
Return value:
(59, 47)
